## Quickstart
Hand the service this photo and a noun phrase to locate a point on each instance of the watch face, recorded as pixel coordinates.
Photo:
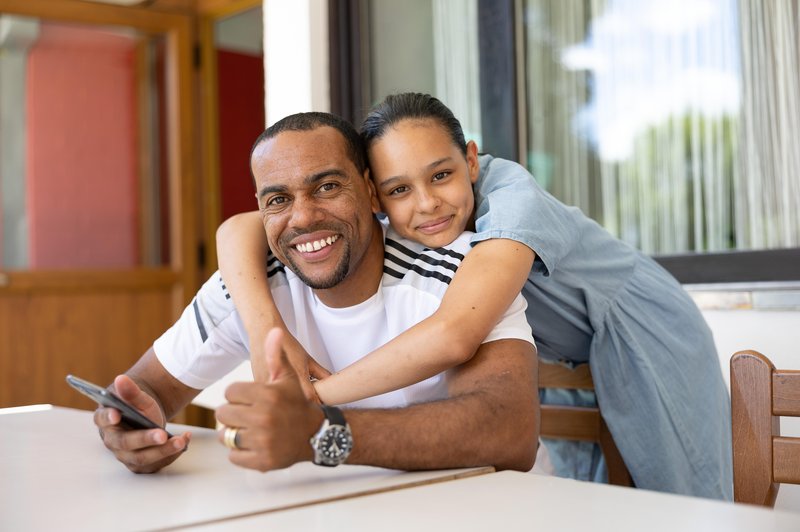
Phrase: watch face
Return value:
(335, 444)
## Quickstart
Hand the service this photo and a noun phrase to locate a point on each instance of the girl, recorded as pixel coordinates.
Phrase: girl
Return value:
(591, 299)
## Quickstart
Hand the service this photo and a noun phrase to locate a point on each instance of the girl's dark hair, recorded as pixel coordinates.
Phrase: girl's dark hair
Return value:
(410, 105)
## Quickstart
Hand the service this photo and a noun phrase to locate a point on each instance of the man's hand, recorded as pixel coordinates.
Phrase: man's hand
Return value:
(275, 419)
(304, 365)
(142, 451)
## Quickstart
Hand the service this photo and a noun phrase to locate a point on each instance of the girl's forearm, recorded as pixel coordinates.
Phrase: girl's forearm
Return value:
(487, 282)
(242, 250)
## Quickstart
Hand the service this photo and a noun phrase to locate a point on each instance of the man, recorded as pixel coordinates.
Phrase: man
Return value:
(313, 186)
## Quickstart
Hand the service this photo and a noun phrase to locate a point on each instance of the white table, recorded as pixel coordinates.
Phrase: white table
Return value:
(510, 501)
(55, 474)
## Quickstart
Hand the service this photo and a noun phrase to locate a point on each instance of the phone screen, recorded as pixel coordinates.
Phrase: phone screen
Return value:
(131, 417)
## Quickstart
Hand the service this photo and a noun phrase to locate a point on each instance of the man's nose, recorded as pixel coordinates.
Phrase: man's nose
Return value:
(305, 213)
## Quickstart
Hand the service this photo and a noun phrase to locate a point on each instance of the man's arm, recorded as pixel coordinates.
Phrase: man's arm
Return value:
(158, 395)
(490, 418)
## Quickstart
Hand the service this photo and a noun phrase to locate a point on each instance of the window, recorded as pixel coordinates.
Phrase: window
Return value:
(671, 123)
(84, 185)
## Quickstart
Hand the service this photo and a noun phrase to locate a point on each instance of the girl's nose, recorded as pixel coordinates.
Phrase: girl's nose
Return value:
(427, 202)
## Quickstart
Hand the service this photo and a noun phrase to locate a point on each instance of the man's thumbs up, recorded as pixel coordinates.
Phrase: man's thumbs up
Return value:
(278, 366)
(275, 419)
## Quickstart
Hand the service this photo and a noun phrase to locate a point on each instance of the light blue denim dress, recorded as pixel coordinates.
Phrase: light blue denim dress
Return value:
(592, 298)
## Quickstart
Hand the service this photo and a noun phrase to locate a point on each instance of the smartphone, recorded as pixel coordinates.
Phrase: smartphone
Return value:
(131, 417)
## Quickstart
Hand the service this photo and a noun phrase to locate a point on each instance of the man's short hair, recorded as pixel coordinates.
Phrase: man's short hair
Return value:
(312, 120)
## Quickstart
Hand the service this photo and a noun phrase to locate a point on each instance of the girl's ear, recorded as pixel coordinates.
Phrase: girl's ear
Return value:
(373, 193)
(473, 165)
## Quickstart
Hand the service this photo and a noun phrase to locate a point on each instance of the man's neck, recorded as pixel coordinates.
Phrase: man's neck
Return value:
(363, 282)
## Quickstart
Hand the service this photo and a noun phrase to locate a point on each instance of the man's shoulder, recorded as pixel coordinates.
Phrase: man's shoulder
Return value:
(430, 269)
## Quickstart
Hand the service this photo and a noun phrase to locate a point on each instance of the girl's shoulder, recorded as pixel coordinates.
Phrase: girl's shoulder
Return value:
(502, 172)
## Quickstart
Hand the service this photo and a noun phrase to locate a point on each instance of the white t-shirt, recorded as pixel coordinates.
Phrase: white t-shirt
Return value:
(209, 339)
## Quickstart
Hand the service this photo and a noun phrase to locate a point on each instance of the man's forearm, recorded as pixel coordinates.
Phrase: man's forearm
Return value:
(491, 418)
(170, 394)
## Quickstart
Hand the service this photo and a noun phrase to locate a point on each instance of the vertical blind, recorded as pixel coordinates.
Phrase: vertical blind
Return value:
(456, 59)
(674, 123)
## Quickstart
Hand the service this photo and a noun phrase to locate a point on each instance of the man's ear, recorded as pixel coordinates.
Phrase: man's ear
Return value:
(473, 165)
(373, 193)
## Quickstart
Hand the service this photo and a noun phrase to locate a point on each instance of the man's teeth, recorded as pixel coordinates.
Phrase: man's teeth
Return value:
(316, 245)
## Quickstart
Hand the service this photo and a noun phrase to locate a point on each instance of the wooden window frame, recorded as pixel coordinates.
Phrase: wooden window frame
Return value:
(178, 31)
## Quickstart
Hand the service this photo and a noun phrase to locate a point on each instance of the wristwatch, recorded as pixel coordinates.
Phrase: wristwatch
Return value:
(333, 441)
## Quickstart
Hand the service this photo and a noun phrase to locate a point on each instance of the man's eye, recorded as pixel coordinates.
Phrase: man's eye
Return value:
(276, 201)
(440, 175)
(328, 187)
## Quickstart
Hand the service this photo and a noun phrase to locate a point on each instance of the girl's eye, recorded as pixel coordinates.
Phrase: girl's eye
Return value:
(441, 175)
(398, 190)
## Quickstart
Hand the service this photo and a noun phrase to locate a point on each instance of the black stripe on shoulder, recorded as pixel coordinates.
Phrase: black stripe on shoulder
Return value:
(434, 275)
(423, 258)
(402, 249)
(276, 269)
(422, 272)
(224, 288)
(392, 272)
(274, 266)
(397, 260)
(447, 252)
(200, 326)
(439, 262)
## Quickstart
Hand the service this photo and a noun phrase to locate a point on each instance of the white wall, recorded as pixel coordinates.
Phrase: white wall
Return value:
(295, 57)
(773, 333)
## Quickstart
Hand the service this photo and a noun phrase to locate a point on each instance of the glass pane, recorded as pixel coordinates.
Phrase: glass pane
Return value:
(239, 43)
(428, 46)
(670, 122)
(82, 141)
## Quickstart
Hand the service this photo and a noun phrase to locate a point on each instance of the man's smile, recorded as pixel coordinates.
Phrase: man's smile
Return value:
(316, 245)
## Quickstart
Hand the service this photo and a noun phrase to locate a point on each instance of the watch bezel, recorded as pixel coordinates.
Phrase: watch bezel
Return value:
(331, 432)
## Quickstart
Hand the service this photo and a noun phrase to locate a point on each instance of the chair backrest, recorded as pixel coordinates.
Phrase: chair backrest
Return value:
(762, 458)
(579, 423)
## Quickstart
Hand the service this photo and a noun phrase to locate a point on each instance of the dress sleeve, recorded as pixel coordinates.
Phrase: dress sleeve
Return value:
(509, 203)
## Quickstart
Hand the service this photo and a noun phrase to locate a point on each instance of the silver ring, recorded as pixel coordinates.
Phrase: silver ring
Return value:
(231, 438)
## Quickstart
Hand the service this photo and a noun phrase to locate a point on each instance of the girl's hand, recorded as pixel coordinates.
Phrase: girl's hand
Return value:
(306, 367)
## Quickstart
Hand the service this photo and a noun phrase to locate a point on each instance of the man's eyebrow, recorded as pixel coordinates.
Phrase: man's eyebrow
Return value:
(269, 189)
(319, 176)
(309, 180)
(430, 166)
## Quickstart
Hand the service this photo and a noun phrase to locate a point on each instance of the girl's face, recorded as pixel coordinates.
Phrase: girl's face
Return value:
(424, 182)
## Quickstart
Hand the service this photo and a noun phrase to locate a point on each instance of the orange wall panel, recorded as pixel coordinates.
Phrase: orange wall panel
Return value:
(82, 154)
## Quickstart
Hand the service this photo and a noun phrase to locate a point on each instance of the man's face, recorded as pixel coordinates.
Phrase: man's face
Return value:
(316, 207)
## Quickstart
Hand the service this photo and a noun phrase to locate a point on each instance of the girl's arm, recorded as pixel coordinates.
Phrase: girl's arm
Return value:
(242, 250)
(487, 282)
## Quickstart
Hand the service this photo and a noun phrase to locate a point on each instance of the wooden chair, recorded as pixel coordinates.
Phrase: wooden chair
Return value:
(579, 423)
(762, 458)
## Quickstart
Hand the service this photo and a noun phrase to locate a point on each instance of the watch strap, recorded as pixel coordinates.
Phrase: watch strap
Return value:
(334, 415)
